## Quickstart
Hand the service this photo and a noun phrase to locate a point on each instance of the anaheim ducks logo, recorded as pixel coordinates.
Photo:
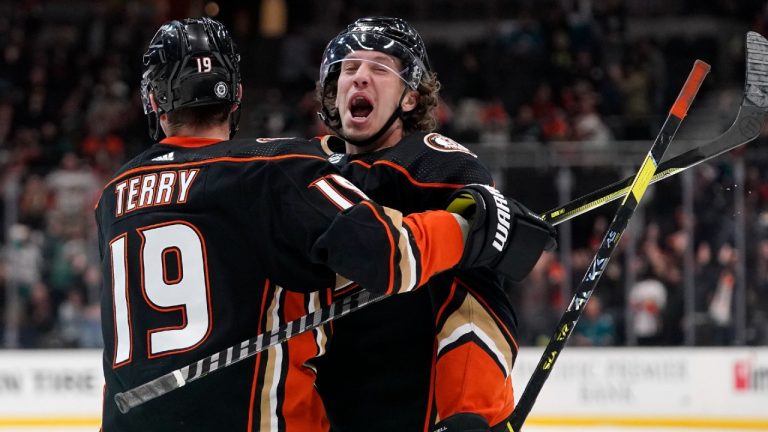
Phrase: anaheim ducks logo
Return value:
(444, 144)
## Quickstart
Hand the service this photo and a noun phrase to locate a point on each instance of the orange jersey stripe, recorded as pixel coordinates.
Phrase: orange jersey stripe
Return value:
(209, 161)
(447, 301)
(408, 175)
(433, 225)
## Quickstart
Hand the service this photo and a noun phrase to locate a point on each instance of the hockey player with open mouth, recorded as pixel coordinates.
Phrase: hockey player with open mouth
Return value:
(439, 358)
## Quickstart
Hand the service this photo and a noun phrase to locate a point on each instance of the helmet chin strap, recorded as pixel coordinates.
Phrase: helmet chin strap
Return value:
(155, 131)
(373, 138)
(234, 122)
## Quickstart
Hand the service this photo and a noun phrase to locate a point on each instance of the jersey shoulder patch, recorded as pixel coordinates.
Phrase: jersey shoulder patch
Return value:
(444, 144)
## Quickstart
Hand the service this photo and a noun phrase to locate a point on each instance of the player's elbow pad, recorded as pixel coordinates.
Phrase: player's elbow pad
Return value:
(504, 235)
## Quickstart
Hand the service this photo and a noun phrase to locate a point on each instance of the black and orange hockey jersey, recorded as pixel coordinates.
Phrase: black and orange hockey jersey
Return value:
(432, 353)
(205, 244)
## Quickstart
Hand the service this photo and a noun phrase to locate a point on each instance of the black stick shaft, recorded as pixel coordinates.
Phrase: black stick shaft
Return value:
(608, 245)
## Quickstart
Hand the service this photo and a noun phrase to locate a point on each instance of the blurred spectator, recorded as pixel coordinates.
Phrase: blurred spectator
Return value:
(74, 187)
(34, 203)
(38, 319)
(553, 71)
(635, 88)
(555, 126)
(647, 299)
(525, 128)
(24, 256)
(595, 328)
(78, 323)
(539, 302)
(495, 124)
(721, 304)
(588, 126)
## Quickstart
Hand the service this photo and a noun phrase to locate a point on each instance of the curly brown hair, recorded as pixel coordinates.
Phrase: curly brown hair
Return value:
(423, 118)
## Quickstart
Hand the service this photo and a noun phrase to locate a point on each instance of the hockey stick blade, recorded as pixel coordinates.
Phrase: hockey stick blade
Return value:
(608, 245)
(745, 128)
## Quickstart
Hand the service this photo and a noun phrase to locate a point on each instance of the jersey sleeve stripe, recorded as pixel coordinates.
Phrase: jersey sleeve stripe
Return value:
(391, 280)
(406, 251)
(470, 318)
(499, 321)
(407, 264)
(332, 194)
(436, 224)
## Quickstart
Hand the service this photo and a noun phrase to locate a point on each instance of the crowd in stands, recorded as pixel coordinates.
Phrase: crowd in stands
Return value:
(548, 71)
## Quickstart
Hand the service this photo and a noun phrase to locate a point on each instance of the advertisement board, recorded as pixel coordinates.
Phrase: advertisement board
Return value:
(721, 388)
(646, 386)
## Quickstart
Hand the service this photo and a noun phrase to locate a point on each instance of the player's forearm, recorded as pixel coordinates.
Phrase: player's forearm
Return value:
(387, 253)
(439, 236)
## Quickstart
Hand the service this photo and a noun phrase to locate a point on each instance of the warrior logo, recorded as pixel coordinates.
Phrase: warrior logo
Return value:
(502, 228)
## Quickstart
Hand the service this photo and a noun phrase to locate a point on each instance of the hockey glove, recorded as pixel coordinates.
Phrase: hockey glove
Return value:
(504, 235)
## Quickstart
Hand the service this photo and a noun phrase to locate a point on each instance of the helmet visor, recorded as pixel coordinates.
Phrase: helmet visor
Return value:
(343, 48)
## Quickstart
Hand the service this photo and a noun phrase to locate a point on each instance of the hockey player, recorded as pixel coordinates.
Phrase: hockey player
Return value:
(207, 241)
(379, 95)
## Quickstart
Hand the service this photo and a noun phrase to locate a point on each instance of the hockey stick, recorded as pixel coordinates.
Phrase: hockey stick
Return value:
(745, 128)
(180, 377)
(599, 262)
(192, 372)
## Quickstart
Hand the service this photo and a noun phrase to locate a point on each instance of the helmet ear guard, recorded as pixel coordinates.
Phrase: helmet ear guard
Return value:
(189, 63)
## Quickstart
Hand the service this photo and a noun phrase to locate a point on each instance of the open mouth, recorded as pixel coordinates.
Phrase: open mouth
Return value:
(360, 107)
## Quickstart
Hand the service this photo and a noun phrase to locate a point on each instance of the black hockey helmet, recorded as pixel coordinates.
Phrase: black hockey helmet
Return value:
(192, 62)
(393, 36)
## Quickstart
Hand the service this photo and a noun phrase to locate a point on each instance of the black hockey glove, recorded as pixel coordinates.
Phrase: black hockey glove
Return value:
(504, 235)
